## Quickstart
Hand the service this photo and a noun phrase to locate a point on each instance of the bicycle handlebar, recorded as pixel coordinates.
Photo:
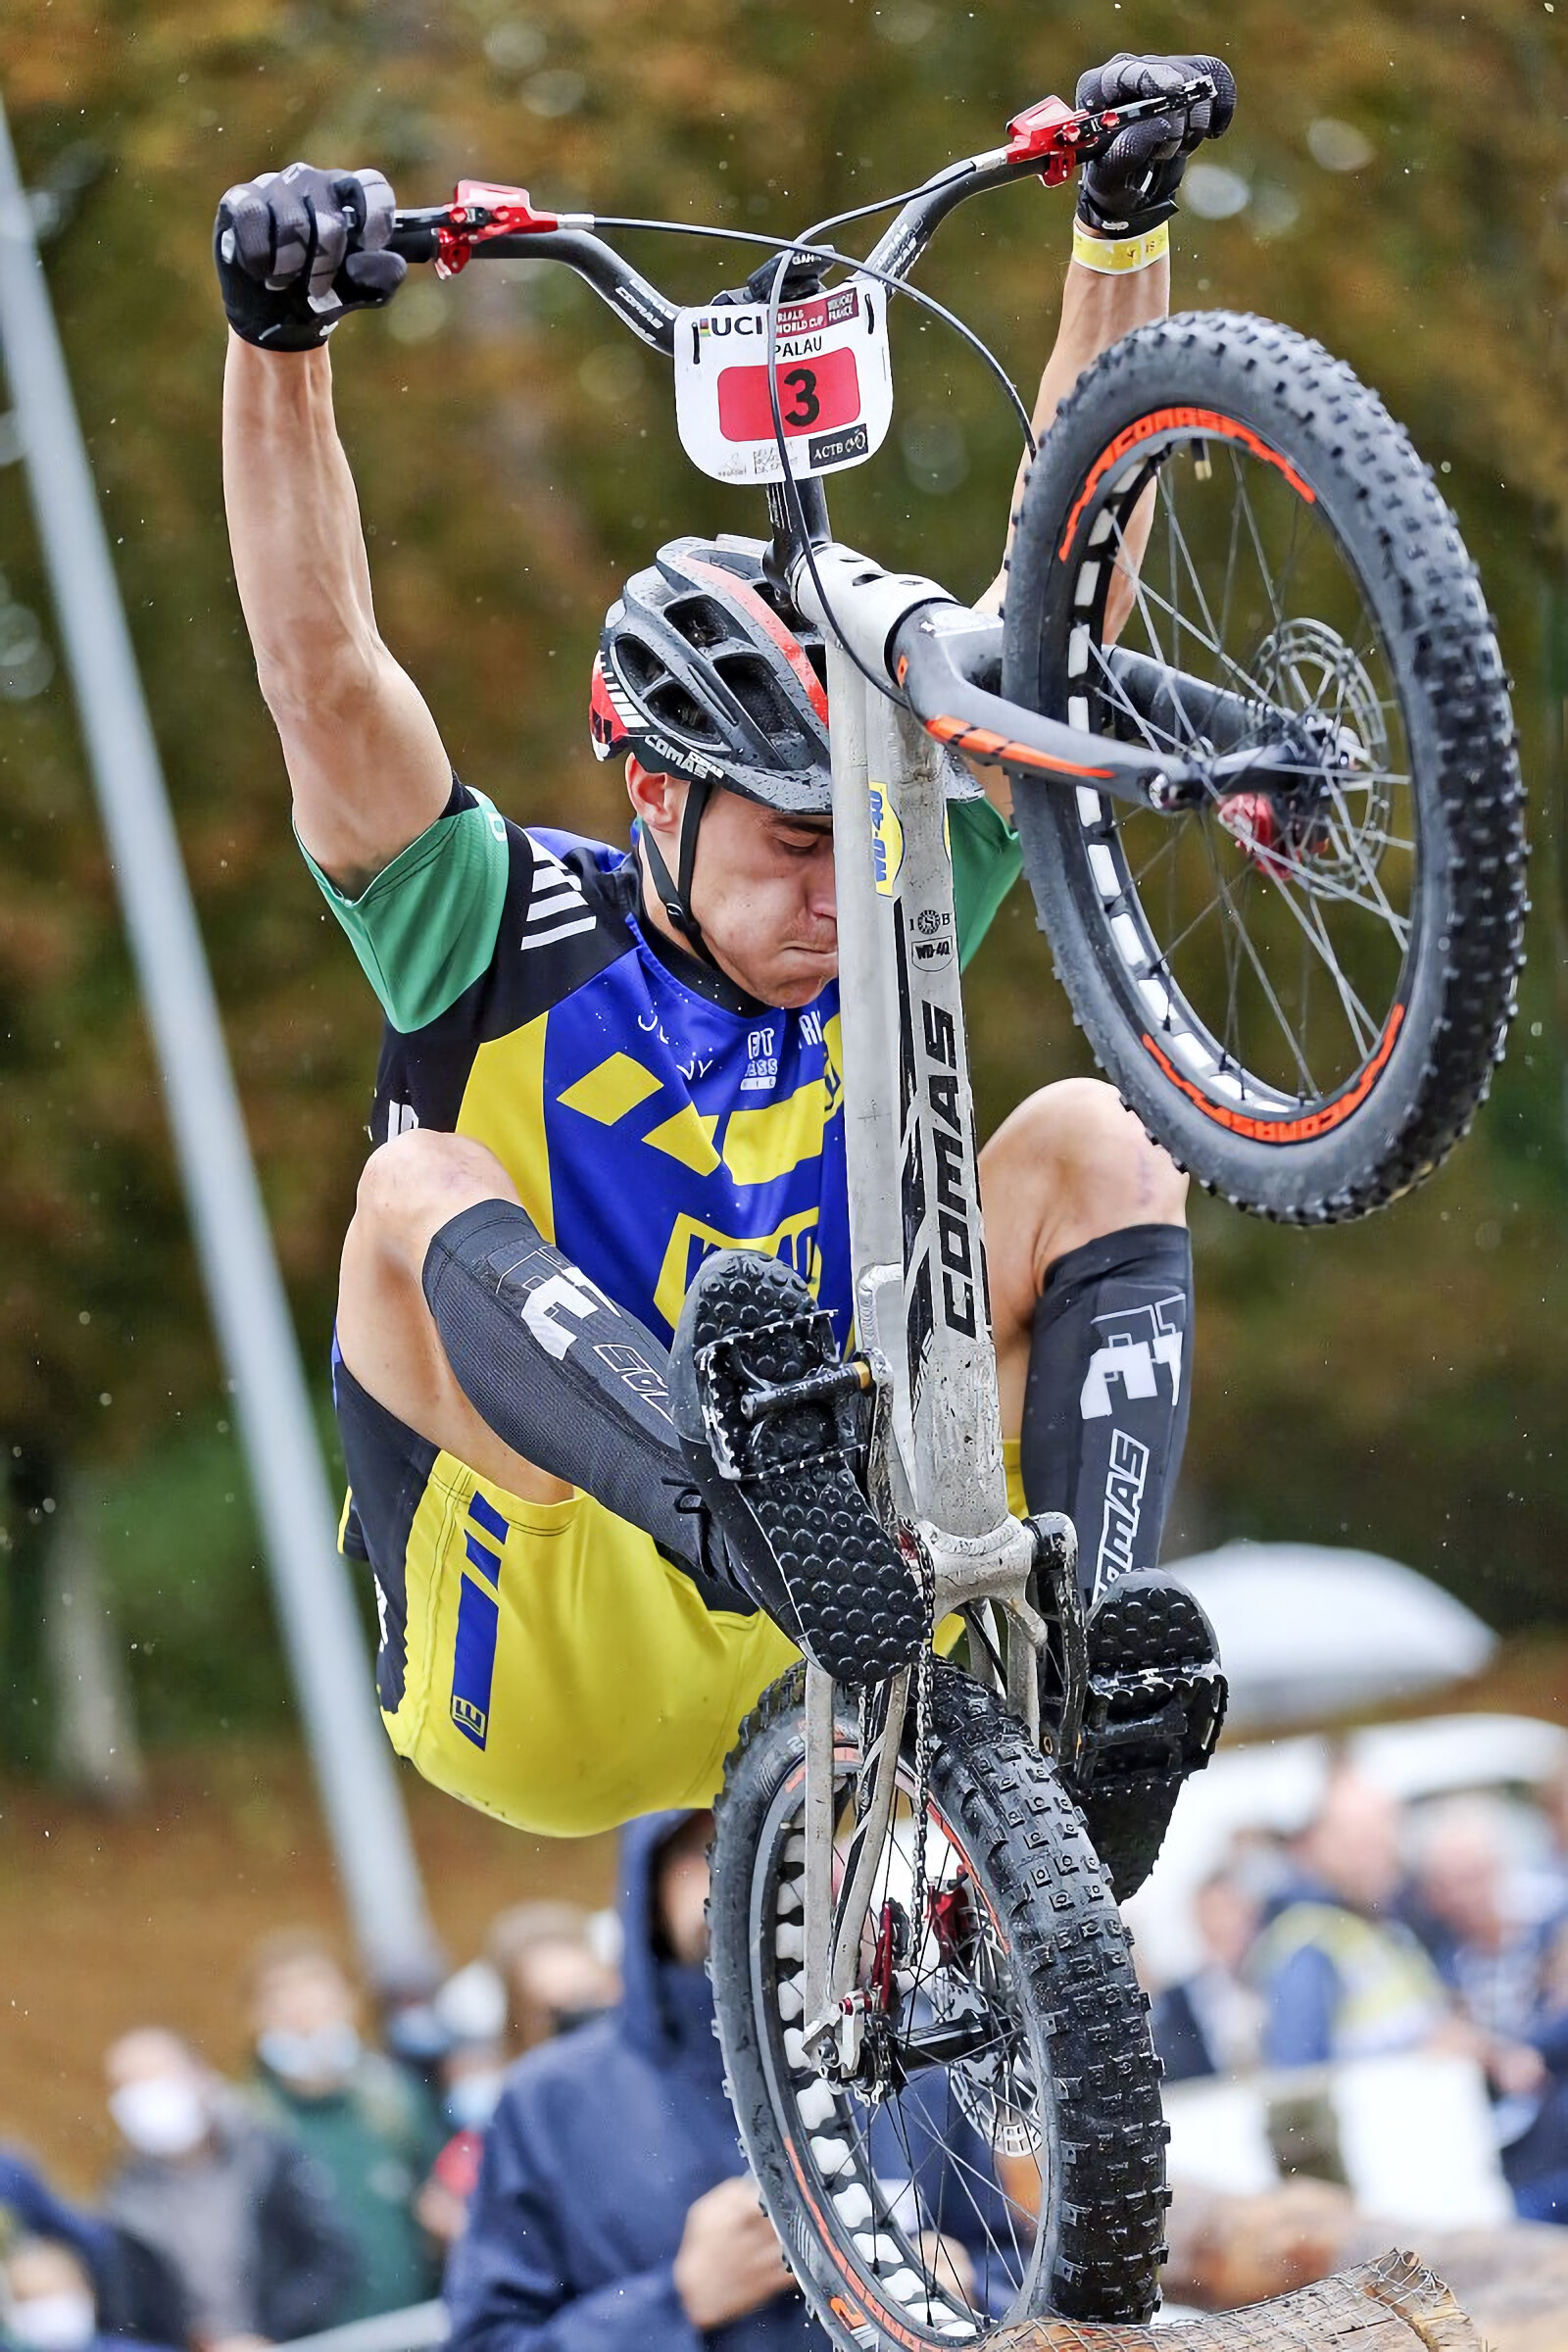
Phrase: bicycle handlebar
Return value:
(930, 645)
(1047, 140)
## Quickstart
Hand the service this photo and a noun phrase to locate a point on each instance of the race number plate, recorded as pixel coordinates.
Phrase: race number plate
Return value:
(835, 385)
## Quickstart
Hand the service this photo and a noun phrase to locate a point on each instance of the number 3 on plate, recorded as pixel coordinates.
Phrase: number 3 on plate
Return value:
(802, 381)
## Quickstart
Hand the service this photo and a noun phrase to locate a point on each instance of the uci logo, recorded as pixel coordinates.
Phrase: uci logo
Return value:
(887, 842)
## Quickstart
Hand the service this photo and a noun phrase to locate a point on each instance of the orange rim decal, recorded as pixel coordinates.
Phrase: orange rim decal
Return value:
(1288, 1131)
(883, 2317)
(984, 743)
(1178, 420)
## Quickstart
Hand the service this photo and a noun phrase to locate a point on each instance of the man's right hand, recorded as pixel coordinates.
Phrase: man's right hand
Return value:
(297, 250)
(1132, 184)
(729, 2261)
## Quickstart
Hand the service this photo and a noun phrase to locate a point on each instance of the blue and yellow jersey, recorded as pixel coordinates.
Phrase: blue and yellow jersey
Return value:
(646, 1111)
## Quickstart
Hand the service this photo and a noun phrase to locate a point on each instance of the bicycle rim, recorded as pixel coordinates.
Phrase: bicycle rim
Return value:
(928, 2198)
(1262, 938)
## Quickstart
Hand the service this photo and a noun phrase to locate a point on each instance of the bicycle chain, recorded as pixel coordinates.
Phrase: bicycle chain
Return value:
(923, 1669)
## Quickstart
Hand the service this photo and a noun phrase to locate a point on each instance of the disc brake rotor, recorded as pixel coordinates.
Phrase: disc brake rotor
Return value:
(1326, 832)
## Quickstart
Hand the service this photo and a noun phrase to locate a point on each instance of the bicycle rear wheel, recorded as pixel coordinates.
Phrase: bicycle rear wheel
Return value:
(1302, 980)
(1010, 2158)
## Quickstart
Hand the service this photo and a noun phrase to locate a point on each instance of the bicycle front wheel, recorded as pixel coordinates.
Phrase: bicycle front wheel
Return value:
(1002, 2153)
(1300, 979)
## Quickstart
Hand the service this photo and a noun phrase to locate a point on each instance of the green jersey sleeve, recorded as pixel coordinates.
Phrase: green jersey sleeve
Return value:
(986, 864)
(427, 927)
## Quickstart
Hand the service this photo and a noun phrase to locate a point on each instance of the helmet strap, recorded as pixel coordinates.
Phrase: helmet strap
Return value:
(675, 895)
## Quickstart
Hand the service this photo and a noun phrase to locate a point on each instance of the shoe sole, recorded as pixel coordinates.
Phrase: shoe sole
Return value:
(1154, 1709)
(791, 1493)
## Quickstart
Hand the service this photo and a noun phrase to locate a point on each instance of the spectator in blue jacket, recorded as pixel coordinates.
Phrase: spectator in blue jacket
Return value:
(613, 2211)
(135, 2291)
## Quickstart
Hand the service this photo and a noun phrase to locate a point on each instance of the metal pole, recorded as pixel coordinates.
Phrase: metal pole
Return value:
(354, 1767)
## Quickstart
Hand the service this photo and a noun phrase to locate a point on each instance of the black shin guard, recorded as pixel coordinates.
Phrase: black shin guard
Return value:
(1104, 1413)
(565, 1378)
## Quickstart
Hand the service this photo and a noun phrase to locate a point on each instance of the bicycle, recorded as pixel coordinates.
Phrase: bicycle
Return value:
(1270, 811)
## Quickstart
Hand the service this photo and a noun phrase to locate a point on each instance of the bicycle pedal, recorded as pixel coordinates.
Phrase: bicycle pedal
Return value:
(1153, 1715)
(729, 1378)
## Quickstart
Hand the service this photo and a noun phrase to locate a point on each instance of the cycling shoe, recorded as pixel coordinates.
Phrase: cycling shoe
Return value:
(1154, 1711)
(782, 1489)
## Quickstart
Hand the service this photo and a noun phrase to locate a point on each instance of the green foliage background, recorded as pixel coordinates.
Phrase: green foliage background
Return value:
(1396, 1385)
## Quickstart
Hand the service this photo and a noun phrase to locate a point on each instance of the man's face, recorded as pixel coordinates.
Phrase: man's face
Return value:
(303, 1995)
(1461, 1881)
(1353, 1846)
(682, 1889)
(158, 2094)
(761, 889)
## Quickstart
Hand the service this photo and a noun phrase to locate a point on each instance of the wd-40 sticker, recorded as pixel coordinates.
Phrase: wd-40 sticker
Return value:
(887, 840)
(831, 369)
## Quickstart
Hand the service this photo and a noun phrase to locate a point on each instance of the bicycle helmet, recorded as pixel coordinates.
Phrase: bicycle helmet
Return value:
(700, 674)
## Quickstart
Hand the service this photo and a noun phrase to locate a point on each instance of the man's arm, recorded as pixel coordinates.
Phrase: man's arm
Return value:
(1126, 195)
(295, 251)
(1097, 311)
(508, 2286)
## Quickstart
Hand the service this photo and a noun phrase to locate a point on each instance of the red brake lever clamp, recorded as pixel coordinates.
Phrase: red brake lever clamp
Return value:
(1049, 132)
(480, 209)
(1053, 130)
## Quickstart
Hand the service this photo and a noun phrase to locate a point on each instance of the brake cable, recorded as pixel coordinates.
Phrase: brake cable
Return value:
(804, 249)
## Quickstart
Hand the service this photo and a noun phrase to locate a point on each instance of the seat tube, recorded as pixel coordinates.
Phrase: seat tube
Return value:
(954, 1410)
(866, 992)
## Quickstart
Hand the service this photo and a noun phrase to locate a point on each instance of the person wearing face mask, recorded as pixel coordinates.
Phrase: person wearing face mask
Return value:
(49, 2303)
(612, 2212)
(238, 2212)
(471, 2009)
(356, 2113)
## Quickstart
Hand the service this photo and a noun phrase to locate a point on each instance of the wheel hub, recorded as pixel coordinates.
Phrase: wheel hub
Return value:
(1321, 817)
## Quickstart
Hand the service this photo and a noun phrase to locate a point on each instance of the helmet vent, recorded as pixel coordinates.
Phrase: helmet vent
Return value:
(637, 666)
(757, 691)
(703, 623)
(672, 705)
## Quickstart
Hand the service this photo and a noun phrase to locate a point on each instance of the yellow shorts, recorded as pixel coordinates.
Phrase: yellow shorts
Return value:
(543, 1661)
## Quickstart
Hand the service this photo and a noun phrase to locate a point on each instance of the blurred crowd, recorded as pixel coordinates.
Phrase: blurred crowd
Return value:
(1382, 1929)
(545, 2138)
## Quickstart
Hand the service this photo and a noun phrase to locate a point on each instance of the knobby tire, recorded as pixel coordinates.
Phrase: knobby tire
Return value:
(1307, 1016)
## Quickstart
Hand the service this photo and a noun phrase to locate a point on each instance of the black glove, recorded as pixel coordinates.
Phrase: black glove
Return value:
(1132, 187)
(297, 250)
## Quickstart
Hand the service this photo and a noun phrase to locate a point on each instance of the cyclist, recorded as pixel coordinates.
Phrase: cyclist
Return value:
(603, 1068)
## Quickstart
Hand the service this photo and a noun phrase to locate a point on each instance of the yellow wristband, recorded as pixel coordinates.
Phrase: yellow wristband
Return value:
(1119, 257)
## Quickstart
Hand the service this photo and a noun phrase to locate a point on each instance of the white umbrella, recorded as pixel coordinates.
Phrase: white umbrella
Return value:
(1306, 1630)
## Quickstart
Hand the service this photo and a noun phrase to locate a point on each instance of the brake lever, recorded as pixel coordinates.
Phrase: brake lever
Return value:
(480, 211)
(1064, 137)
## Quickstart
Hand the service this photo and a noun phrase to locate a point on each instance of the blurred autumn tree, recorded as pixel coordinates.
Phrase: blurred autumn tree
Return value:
(1393, 184)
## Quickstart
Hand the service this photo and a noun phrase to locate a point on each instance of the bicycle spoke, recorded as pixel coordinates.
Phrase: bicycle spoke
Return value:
(1310, 1084)
(1254, 920)
(1264, 575)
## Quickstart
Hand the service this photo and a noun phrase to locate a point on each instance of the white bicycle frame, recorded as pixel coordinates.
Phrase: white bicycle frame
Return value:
(916, 1244)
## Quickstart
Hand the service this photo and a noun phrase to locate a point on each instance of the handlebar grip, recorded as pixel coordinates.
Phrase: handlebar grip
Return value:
(415, 240)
